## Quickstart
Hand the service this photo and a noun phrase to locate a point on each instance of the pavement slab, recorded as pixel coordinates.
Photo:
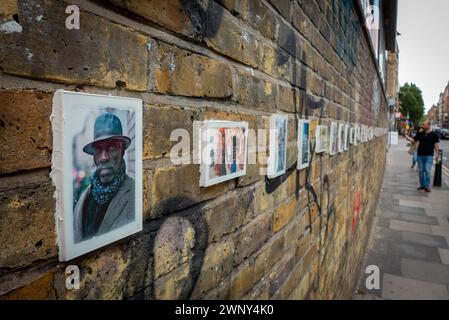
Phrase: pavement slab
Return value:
(410, 240)
(402, 288)
(423, 270)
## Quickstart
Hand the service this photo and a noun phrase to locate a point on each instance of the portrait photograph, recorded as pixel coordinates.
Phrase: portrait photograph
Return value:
(224, 148)
(97, 170)
(303, 144)
(333, 139)
(321, 139)
(346, 137)
(351, 135)
(277, 161)
(341, 138)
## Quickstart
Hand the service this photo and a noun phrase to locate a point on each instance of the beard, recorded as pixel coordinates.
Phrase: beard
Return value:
(103, 192)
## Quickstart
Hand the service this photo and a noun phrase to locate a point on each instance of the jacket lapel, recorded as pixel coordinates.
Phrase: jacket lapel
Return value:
(115, 208)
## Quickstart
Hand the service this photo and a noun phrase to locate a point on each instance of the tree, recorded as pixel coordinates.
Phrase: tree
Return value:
(410, 97)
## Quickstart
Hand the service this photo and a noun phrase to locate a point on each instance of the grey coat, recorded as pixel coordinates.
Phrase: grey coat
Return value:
(120, 210)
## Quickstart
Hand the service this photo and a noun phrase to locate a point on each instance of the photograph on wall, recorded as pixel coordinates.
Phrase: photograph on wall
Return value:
(277, 161)
(346, 137)
(303, 144)
(96, 169)
(341, 137)
(351, 135)
(333, 139)
(321, 139)
(224, 146)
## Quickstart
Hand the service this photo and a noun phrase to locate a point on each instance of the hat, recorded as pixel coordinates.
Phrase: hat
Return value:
(107, 126)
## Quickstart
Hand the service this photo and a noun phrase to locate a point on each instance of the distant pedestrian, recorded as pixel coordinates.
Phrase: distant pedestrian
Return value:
(427, 149)
(413, 151)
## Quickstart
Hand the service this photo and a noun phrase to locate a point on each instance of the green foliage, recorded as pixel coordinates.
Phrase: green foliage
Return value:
(410, 97)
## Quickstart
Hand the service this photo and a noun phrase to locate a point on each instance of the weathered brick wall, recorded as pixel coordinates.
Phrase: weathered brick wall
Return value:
(298, 236)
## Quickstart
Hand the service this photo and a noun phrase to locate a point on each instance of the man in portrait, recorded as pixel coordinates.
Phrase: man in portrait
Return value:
(108, 202)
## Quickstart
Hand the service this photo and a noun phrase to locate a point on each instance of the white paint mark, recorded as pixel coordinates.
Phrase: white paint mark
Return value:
(39, 17)
(149, 46)
(245, 35)
(10, 27)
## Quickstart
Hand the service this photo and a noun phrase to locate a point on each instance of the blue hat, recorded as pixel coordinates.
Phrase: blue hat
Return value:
(107, 126)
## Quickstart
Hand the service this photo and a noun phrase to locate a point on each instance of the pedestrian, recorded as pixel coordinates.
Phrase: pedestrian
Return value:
(427, 149)
(413, 151)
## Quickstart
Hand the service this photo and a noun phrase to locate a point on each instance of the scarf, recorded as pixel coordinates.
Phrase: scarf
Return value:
(103, 193)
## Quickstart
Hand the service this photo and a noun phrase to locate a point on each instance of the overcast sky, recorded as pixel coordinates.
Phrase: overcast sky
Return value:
(424, 46)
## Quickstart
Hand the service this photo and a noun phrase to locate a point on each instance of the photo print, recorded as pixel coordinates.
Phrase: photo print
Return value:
(224, 147)
(96, 169)
(333, 139)
(351, 135)
(277, 162)
(346, 137)
(303, 144)
(321, 139)
(341, 137)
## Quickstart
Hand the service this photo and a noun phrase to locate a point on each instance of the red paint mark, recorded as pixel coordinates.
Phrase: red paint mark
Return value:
(356, 208)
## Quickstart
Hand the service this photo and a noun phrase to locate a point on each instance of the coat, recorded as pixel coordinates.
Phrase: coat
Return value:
(120, 210)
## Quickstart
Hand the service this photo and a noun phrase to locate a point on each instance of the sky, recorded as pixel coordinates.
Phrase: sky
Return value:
(424, 46)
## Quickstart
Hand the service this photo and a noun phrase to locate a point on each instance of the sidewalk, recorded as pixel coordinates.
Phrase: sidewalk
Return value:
(410, 239)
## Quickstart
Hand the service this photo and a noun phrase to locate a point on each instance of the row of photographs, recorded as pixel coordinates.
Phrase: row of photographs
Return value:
(226, 145)
(97, 163)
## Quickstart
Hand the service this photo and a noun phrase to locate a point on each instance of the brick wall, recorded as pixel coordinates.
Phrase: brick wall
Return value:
(299, 236)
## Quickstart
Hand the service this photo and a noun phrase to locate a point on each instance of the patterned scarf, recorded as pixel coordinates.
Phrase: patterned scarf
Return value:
(103, 193)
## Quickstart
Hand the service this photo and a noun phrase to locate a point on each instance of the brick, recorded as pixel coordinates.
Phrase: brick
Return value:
(229, 214)
(269, 255)
(41, 289)
(25, 130)
(287, 39)
(284, 214)
(279, 275)
(288, 99)
(181, 72)
(174, 285)
(27, 225)
(255, 93)
(102, 276)
(176, 188)
(98, 54)
(283, 6)
(255, 13)
(217, 264)
(300, 21)
(179, 16)
(276, 62)
(159, 123)
(251, 237)
(224, 33)
(242, 281)
(259, 292)
(173, 245)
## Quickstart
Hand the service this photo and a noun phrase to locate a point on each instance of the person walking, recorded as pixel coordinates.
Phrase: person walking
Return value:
(413, 151)
(427, 149)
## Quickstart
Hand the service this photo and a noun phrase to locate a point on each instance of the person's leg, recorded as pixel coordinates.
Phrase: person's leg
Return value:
(428, 171)
(421, 171)
(414, 158)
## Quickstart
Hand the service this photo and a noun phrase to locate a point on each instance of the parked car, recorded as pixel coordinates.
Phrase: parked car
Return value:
(444, 134)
